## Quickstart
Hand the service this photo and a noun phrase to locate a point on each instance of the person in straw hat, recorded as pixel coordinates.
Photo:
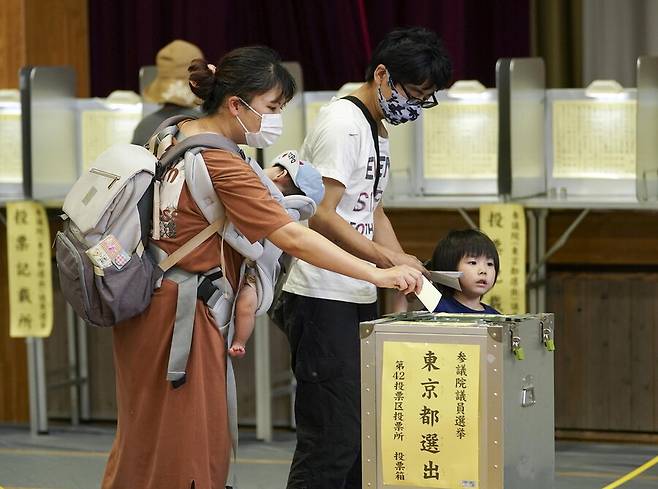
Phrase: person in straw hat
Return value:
(170, 87)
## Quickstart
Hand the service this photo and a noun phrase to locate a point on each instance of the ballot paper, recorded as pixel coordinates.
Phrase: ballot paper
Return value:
(429, 295)
(449, 279)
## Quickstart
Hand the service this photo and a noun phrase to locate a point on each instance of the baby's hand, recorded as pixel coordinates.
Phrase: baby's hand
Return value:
(237, 350)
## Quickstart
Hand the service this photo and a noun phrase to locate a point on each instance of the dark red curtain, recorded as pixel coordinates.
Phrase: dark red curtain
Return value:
(332, 39)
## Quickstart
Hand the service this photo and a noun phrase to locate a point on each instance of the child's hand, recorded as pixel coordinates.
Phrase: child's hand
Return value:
(237, 351)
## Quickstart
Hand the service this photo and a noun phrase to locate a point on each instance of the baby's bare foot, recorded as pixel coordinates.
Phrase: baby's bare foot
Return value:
(237, 350)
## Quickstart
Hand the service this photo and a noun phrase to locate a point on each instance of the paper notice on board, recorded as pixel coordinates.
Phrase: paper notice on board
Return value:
(11, 158)
(429, 426)
(505, 225)
(594, 139)
(30, 274)
(103, 128)
(460, 140)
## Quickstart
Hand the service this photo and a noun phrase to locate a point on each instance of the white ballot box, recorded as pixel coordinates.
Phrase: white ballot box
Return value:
(457, 401)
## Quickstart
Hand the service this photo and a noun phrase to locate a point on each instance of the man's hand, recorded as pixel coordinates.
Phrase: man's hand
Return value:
(390, 258)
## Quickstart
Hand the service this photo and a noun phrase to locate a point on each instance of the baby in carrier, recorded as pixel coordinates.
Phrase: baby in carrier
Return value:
(291, 177)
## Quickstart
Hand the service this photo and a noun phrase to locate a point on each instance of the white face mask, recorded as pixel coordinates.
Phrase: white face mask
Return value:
(271, 127)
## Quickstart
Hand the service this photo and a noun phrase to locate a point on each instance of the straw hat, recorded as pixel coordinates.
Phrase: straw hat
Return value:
(171, 83)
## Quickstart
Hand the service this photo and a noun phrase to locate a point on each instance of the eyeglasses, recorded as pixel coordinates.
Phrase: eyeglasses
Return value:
(425, 103)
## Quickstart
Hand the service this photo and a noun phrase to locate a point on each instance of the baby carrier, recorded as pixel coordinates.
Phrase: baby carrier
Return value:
(271, 262)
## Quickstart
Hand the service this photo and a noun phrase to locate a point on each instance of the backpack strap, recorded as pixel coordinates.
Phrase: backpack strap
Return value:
(205, 141)
(375, 138)
(190, 245)
(171, 121)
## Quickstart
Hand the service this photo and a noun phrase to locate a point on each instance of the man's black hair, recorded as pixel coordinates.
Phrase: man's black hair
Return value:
(458, 244)
(414, 56)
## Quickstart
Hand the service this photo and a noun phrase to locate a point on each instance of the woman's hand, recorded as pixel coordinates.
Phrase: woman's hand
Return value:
(403, 277)
(308, 245)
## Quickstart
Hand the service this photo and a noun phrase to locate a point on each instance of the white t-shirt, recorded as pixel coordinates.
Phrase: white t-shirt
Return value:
(340, 146)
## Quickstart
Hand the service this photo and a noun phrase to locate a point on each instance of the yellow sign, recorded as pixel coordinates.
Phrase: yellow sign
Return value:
(28, 261)
(429, 425)
(505, 225)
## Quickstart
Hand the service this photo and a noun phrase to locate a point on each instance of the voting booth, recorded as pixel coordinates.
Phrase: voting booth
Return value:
(457, 401)
(457, 143)
(591, 135)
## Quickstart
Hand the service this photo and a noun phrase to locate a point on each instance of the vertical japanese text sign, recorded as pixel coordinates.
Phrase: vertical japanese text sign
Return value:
(505, 225)
(29, 265)
(429, 418)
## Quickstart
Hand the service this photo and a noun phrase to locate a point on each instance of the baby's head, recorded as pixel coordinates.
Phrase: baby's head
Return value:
(471, 252)
(295, 177)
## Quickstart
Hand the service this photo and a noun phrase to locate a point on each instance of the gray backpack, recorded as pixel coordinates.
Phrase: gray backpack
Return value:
(106, 270)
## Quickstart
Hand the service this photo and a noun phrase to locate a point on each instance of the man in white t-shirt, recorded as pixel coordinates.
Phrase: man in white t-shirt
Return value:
(321, 309)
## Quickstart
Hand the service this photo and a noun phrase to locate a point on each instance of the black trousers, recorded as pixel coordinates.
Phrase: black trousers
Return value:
(325, 349)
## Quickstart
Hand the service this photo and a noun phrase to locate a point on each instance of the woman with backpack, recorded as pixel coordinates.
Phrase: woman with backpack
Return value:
(177, 434)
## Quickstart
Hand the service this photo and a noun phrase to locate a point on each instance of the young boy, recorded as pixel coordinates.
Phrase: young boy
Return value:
(292, 177)
(474, 254)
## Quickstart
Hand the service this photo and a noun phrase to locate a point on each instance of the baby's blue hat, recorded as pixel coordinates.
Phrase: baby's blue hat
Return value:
(304, 175)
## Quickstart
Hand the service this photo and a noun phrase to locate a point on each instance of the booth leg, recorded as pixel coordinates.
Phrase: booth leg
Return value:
(263, 379)
(37, 386)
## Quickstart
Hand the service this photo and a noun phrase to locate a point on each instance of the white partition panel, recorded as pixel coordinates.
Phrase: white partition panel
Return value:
(49, 131)
(457, 146)
(647, 128)
(524, 172)
(103, 123)
(591, 143)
